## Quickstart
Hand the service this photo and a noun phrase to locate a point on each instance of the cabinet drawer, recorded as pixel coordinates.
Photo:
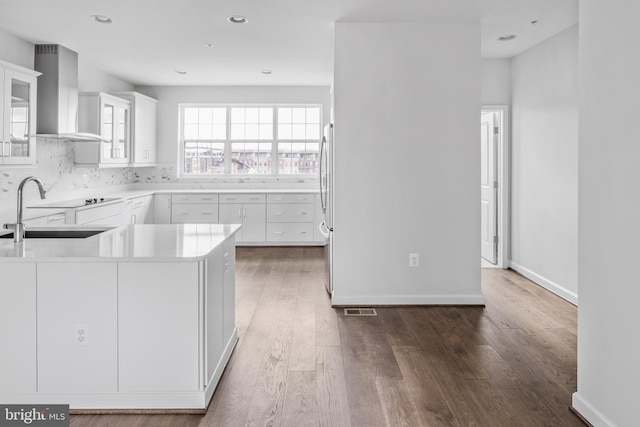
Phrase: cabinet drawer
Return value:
(194, 198)
(194, 213)
(290, 198)
(290, 232)
(242, 198)
(57, 219)
(290, 212)
(97, 214)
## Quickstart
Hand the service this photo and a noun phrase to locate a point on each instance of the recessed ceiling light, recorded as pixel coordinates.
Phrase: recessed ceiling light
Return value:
(237, 19)
(181, 72)
(507, 37)
(101, 19)
(209, 45)
(266, 71)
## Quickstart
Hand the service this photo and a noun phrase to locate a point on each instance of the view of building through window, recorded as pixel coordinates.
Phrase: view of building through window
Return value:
(270, 140)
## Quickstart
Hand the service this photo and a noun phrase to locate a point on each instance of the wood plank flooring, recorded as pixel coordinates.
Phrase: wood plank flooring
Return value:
(301, 363)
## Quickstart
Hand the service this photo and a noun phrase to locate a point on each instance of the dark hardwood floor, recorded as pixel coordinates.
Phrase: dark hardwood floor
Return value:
(301, 363)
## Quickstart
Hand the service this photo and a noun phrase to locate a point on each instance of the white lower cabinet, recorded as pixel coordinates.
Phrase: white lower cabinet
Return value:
(249, 210)
(194, 209)
(158, 327)
(273, 218)
(142, 210)
(18, 327)
(161, 208)
(111, 214)
(290, 218)
(77, 327)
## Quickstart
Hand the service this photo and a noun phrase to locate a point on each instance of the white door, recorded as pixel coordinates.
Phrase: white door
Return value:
(488, 188)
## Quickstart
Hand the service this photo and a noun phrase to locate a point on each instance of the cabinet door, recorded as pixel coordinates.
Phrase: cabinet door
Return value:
(18, 327)
(115, 127)
(77, 327)
(144, 134)
(159, 318)
(254, 223)
(19, 118)
(161, 209)
(231, 213)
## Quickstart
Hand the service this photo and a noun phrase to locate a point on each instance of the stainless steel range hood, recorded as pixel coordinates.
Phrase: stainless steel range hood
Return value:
(58, 94)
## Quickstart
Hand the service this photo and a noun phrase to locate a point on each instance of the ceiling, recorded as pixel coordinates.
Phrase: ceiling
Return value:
(149, 40)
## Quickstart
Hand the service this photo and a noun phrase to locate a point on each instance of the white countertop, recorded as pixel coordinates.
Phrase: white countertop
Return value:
(126, 243)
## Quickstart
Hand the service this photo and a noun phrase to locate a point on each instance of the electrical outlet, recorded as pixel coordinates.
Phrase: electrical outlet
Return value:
(85, 179)
(414, 260)
(81, 334)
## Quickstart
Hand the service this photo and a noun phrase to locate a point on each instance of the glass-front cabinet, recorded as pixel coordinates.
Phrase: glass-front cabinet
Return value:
(18, 112)
(110, 117)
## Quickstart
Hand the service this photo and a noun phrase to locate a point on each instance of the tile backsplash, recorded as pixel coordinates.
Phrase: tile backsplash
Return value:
(61, 179)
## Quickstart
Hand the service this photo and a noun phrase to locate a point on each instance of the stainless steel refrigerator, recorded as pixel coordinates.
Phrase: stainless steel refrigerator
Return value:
(326, 200)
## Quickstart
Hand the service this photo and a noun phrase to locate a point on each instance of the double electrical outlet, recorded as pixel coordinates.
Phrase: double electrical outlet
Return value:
(414, 260)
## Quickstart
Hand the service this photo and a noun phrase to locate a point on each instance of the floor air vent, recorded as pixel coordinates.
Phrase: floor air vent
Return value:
(360, 312)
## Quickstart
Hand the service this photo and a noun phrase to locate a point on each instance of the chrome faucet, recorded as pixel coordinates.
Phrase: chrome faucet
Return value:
(18, 227)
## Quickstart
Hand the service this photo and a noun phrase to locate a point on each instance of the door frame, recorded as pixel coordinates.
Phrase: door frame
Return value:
(503, 156)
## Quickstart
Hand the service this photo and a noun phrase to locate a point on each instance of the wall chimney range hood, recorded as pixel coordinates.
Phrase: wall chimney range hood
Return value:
(58, 94)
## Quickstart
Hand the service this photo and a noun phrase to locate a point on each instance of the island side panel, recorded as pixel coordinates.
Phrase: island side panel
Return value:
(77, 327)
(229, 286)
(158, 325)
(18, 327)
(213, 316)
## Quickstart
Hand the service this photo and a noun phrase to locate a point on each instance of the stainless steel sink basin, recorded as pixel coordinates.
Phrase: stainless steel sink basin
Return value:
(56, 234)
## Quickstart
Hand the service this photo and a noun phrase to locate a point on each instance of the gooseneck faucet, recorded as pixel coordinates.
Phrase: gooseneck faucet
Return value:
(18, 227)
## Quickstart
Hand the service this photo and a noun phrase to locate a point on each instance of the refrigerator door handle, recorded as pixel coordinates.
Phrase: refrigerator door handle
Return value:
(324, 230)
(323, 185)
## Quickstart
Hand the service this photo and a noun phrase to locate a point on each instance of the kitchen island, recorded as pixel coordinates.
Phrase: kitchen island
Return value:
(137, 317)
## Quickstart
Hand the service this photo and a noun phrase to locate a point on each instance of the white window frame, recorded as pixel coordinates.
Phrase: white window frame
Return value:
(228, 141)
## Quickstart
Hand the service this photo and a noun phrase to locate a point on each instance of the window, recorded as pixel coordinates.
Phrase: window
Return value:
(244, 139)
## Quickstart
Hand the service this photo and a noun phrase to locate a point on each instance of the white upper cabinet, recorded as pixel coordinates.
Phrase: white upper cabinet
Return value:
(110, 117)
(143, 128)
(18, 112)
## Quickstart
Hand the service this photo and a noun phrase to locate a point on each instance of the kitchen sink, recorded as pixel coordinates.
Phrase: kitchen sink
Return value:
(56, 234)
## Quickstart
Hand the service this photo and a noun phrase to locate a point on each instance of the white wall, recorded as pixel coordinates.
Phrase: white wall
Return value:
(16, 50)
(407, 162)
(92, 79)
(609, 212)
(544, 187)
(496, 82)
(170, 97)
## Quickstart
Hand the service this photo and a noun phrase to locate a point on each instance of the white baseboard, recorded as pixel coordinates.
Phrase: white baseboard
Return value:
(378, 300)
(589, 413)
(562, 292)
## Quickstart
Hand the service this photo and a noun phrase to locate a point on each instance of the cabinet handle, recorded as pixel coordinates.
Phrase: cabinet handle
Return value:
(207, 198)
(302, 232)
(277, 213)
(277, 232)
(254, 198)
(230, 198)
(302, 213)
(137, 204)
(244, 212)
(207, 213)
(301, 198)
(57, 218)
(277, 198)
(183, 198)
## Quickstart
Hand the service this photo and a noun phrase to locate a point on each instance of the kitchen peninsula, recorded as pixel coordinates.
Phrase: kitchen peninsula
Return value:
(136, 317)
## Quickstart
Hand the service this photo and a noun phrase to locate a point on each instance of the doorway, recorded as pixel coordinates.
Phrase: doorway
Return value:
(494, 186)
